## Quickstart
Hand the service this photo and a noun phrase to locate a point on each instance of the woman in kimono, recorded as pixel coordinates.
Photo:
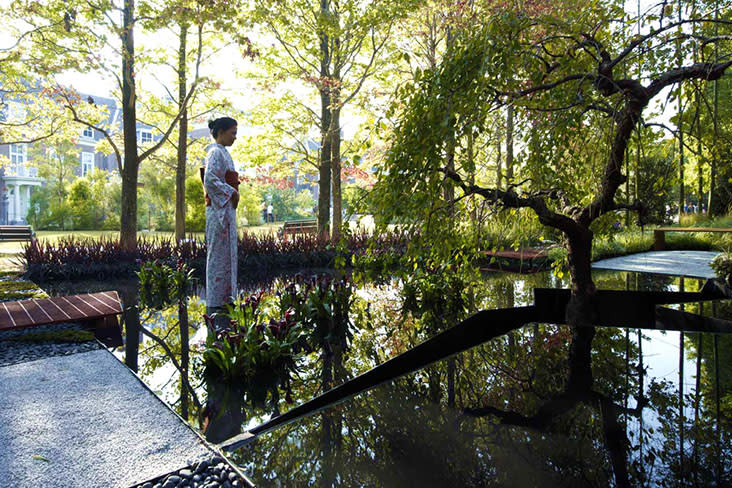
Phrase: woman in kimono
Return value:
(220, 182)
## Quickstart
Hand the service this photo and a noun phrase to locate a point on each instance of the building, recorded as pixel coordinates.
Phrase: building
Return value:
(20, 177)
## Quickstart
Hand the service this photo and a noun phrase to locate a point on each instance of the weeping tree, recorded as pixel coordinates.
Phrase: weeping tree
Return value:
(576, 90)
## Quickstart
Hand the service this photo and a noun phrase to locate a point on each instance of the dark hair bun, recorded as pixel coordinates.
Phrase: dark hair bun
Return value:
(220, 124)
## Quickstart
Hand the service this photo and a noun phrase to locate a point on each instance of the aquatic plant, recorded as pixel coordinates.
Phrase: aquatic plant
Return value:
(257, 350)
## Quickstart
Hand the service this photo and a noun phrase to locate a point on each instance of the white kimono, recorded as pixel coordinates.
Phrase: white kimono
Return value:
(221, 237)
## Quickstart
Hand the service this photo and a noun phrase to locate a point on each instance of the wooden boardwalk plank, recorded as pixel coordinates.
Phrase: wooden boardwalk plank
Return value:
(28, 313)
(34, 311)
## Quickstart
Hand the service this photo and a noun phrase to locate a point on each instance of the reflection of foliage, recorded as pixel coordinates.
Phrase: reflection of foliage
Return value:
(162, 285)
(438, 295)
(321, 303)
(257, 350)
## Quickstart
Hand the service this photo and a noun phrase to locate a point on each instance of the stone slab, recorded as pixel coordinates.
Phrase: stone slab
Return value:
(692, 264)
(85, 420)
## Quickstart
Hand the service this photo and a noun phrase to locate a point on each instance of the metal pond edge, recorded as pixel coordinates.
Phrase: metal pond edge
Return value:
(212, 447)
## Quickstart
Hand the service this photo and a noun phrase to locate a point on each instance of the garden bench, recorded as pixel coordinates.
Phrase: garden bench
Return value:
(293, 227)
(659, 235)
(16, 233)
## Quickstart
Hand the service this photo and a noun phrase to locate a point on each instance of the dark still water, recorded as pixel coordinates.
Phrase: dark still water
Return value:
(656, 412)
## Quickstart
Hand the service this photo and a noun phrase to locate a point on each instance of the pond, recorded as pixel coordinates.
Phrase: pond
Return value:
(499, 414)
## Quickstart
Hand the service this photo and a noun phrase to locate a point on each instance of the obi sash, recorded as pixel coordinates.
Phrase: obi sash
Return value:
(231, 177)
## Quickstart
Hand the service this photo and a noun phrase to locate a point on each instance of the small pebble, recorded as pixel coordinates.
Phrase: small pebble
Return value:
(185, 473)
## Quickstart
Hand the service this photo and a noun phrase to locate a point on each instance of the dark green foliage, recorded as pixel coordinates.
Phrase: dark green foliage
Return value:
(322, 303)
(195, 205)
(162, 286)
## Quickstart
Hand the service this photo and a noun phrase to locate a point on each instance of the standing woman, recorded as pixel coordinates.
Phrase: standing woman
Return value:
(222, 197)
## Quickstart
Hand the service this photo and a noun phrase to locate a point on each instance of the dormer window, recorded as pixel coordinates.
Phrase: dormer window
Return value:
(88, 133)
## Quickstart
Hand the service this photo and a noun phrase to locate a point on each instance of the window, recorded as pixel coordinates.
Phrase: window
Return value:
(88, 133)
(18, 153)
(144, 136)
(87, 163)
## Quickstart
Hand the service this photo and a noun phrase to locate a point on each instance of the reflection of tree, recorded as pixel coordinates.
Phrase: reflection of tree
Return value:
(711, 403)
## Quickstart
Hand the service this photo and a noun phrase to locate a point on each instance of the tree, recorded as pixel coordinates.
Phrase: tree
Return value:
(577, 90)
(194, 98)
(333, 47)
(60, 35)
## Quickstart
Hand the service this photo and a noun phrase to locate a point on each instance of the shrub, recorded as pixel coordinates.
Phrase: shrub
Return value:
(195, 205)
(259, 254)
(722, 266)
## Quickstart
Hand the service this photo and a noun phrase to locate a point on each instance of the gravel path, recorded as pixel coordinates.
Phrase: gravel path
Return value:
(84, 420)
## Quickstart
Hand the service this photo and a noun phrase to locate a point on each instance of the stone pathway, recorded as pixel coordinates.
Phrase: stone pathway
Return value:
(85, 420)
(692, 264)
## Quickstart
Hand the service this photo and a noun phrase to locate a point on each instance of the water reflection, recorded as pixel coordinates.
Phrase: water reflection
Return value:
(541, 406)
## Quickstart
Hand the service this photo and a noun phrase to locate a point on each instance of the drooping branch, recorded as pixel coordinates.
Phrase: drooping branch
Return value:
(510, 199)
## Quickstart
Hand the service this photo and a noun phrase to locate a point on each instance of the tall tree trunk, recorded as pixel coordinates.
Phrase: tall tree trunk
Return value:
(180, 170)
(335, 168)
(682, 192)
(499, 164)
(509, 144)
(325, 158)
(697, 399)
(580, 313)
(128, 216)
(184, 354)
(715, 119)
(717, 406)
(325, 116)
(131, 316)
(681, 396)
(641, 393)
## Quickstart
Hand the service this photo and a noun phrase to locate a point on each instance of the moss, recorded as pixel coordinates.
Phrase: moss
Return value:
(10, 274)
(16, 285)
(74, 336)
(22, 295)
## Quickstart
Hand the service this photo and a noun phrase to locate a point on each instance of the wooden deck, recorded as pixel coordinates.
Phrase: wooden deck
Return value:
(526, 260)
(97, 310)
